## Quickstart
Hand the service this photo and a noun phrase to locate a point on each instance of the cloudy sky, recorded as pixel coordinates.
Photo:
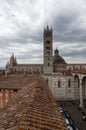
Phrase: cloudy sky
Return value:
(22, 23)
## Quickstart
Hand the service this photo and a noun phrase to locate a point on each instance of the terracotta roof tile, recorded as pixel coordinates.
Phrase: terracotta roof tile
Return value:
(14, 82)
(32, 108)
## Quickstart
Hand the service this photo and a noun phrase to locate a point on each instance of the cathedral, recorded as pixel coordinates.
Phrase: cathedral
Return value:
(52, 64)
(66, 81)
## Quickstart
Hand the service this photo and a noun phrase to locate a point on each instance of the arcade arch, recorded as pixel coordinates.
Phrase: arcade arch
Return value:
(84, 87)
(76, 87)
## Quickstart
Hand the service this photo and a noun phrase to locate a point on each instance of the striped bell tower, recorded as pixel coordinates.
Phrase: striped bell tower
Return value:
(48, 54)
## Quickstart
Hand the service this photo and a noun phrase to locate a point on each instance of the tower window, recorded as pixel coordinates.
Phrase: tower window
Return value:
(48, 64)
(48, 53)
(47, 42)
(48, 47)
(48, 59)
(46, 35)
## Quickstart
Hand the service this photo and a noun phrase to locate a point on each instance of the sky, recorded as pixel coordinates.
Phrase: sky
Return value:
(22, 24)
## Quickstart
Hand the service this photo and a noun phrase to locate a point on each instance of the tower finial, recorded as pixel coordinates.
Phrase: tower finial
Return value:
(47, 25)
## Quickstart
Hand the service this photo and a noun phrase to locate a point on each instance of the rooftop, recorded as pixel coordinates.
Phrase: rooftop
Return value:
(32, 108)
(14, 81)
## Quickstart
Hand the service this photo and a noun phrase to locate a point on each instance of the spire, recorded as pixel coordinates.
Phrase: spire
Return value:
(51, 29)
(47, 27)
(12, 56)
(15, 60)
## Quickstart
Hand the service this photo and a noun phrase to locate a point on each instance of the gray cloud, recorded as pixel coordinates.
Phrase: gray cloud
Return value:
(76, 53)
(22, 24)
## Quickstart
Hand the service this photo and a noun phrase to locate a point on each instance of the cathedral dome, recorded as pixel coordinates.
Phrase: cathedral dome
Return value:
(57, 59)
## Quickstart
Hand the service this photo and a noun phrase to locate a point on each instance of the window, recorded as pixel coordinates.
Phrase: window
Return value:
(46, 35)
(29, 70)
(69, 83)
(48, 53)
(59, 83)
(47, 42)
(37, 70)
(48, 64)
(48, 59)
(48, 48)
(15, 90)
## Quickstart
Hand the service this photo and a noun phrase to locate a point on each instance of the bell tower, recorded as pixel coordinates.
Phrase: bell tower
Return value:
(48, 55)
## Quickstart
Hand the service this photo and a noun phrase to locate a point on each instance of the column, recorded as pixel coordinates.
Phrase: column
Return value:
(81, 94)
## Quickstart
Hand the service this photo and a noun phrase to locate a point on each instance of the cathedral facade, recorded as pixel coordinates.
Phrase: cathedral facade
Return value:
(66, 81)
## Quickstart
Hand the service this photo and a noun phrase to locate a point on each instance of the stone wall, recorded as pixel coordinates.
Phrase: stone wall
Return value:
(60, 87)
(5, 95)
(76, 67)
(26, 68)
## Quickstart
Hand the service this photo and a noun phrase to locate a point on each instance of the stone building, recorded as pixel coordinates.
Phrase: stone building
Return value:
(66, 81)
(13, 67)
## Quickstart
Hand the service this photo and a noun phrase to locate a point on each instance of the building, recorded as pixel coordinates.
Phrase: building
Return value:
(66, 81)
(33, 108)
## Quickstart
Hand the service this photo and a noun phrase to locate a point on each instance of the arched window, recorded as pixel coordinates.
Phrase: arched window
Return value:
(48, 59)
(47, 42)
(76, 81)
(48, 48)
(48, 64)
(59, 83)
(69, 83)
(48, 53)
(29, 70)
(37, 70)
(47, 81)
